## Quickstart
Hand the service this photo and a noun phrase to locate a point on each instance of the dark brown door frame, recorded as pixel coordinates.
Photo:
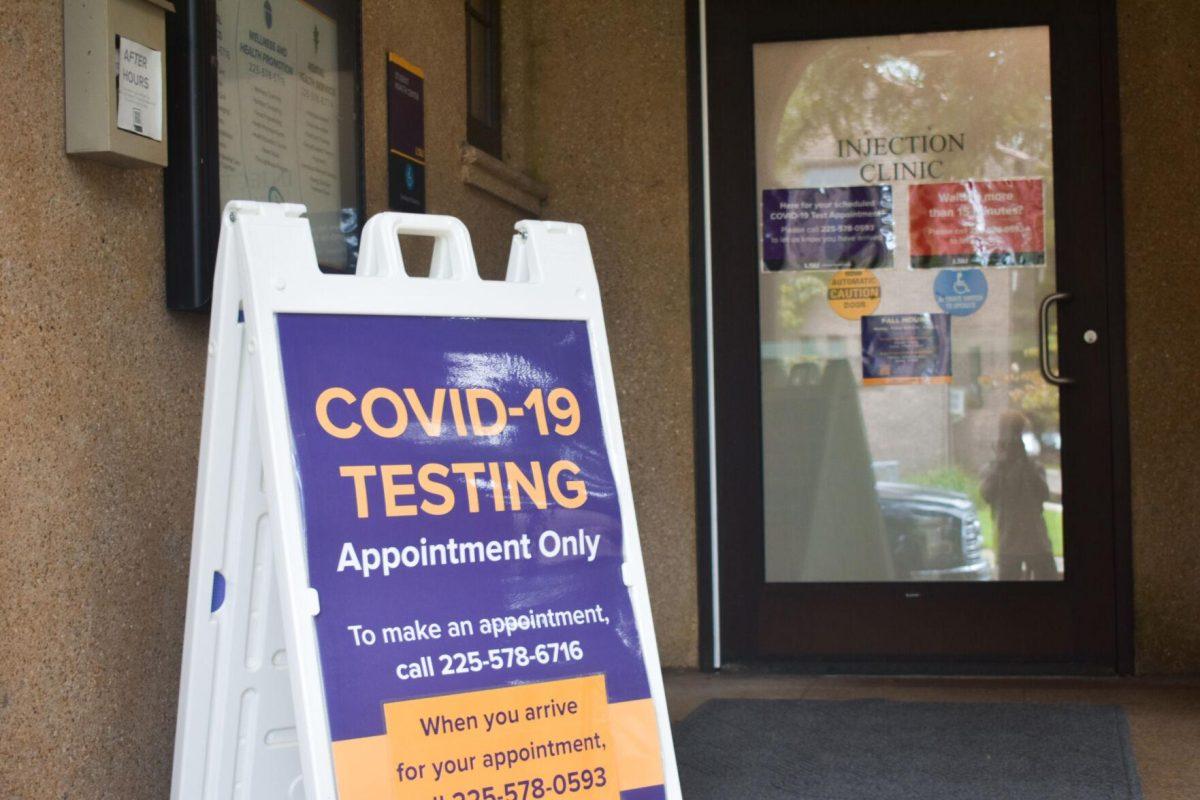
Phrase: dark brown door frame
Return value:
(881, 17)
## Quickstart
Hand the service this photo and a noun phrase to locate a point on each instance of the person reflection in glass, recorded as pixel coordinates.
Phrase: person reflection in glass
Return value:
(1014, 485)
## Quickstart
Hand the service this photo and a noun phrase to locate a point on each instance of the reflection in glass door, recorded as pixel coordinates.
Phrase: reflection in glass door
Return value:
(906, 241)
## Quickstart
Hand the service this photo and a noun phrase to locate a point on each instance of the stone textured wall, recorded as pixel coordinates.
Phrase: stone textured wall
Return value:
(1160, 120)
(610, 139)
(100, 392)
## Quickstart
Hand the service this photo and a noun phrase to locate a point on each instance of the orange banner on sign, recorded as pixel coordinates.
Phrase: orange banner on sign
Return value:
(537, 740)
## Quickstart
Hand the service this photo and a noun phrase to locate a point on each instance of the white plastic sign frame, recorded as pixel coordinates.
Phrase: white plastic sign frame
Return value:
(252, 719)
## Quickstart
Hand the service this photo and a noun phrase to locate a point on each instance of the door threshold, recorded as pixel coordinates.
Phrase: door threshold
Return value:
(913, 668)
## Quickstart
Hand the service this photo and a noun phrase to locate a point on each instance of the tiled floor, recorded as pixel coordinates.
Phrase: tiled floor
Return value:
(1164, 715)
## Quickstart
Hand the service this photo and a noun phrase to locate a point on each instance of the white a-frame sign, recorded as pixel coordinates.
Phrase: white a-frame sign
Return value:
(416, 572)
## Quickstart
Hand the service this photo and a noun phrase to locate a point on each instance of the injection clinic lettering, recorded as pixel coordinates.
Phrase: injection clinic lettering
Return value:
(891, 151)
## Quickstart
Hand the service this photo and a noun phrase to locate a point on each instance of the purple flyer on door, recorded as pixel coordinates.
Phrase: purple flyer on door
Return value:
(463, 534)
(906, 348)
(847, 227)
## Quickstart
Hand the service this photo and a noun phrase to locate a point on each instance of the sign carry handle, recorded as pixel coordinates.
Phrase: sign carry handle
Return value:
(453, 256)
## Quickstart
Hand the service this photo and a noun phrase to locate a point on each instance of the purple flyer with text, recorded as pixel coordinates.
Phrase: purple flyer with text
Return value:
(848, 227)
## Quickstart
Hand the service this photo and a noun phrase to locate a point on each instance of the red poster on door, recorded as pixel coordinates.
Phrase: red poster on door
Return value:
(981, 223)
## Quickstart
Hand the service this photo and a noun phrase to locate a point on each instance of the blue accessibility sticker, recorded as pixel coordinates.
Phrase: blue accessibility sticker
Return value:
(960, 292)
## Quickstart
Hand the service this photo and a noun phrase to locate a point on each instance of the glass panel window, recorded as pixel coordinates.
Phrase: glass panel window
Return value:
(906, 237)
(286, 119)
(481, 106)
(483, 75)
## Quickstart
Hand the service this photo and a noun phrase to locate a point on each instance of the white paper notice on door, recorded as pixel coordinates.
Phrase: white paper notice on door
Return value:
(139, 89)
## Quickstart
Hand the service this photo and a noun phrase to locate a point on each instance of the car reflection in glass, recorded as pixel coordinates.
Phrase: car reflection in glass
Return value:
(934, 534)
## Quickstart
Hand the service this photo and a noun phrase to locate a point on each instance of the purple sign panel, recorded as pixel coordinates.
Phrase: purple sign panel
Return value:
(462, 524)
(847, 227)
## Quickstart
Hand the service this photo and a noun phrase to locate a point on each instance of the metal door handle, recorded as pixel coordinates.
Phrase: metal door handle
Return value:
(1043, 340)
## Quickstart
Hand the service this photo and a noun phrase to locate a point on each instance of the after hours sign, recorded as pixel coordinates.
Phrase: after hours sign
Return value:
(462, 593)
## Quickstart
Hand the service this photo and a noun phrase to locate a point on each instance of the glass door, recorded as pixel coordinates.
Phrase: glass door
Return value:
(906, 239)
(911, 267)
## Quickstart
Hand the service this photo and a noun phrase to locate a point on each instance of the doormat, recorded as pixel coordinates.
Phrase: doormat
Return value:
(888, 750)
